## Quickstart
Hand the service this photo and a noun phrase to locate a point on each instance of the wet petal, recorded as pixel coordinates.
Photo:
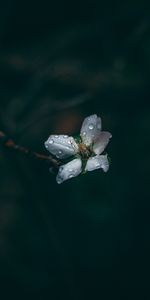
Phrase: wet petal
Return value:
(97, 162)
(90, 129)
(102, 141)
(62, 146)
(69, 170)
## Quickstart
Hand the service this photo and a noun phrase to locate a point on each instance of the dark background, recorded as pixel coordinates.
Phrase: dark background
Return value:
(88, 238)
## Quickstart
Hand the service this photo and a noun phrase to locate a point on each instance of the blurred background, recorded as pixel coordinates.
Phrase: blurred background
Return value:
(61, 61)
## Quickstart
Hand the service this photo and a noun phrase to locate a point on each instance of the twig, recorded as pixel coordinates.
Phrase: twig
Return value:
(9, 143)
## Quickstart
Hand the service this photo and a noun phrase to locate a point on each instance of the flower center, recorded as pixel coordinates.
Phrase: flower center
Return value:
(84, 151)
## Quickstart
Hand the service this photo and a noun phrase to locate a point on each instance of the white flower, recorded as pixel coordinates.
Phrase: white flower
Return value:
(91, 144)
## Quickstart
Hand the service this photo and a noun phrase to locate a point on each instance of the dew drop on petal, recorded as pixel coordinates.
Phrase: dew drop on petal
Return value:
(65, 136)
(91, 126)
(70, 170)
(46, 146)
(70, 176)
(56, 136)
(84, 133)
(97, 165)
(58, 181)
(59, 153)
(51, 141)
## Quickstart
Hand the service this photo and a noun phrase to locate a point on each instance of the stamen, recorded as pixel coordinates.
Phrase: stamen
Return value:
(84, 151)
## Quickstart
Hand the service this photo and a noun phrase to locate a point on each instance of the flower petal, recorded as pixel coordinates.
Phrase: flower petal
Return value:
(62, 146)
(97, 162)
(69, 170)
(90, 129)
(102, 141)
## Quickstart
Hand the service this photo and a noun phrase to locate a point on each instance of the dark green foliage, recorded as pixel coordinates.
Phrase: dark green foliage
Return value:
(89, 237)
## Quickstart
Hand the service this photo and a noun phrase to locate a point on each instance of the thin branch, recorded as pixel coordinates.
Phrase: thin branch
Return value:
(9, 143)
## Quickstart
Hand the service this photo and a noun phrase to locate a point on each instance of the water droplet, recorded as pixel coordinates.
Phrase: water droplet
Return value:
(56, 136)
(97, 165)
(58, 181)
(65, 136)
(91, 126)
(70, 170)
(69, 142)
(59, 153)
(70, 176)
(84, 133)
(46, 145)
(51, 141)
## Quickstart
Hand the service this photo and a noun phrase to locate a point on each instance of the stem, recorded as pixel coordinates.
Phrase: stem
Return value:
(9, 143)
